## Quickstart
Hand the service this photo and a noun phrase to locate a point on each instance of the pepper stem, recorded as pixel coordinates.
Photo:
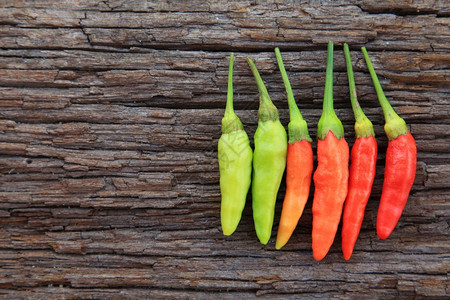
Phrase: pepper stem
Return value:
(395, 125)
(298, 129)
(329, 120)
(294, 112)
(328, 94)
(363, 126)
(229, 110)
(267, 110)
(230, 122)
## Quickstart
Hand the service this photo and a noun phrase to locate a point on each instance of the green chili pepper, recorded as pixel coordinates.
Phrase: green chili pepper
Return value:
(235, 164)
(269, 161)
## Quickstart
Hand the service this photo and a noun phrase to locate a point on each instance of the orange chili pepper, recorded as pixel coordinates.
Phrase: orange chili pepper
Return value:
(331, 176)
(299, 165)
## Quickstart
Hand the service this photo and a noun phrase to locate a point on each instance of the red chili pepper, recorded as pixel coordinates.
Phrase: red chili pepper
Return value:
(400, 168)
(299, 165)
(331, 176)
(362, 169)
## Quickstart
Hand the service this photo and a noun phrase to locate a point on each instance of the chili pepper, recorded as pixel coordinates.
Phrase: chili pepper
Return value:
(331, 176)
(362, 169)
(299, 165)
(400, 165)
(235, 164)
(269, 161)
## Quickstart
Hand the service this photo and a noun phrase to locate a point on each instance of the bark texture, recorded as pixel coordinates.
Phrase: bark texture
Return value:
(109, 120)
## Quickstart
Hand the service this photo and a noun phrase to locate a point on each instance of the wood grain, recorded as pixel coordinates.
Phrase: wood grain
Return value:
(109, 120)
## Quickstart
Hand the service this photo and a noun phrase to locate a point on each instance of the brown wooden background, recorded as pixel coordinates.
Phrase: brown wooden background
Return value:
(109, 120)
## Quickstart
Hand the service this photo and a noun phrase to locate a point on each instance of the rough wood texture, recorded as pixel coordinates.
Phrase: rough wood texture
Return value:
(109, 119)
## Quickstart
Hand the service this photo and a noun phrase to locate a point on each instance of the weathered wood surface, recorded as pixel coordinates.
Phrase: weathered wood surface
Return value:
(109, 119)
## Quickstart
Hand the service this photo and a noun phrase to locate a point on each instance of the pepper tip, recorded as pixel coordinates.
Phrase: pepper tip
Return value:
(263, 239)
(279, 244)
(319, 255)
(227, 231)
(347, 256)
(383, 235)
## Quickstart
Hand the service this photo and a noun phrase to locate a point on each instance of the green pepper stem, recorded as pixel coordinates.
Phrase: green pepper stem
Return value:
(388, 111)
(363, 126)
(359, 114)
(294, 112)
(259, 82)
(230, 121)
(229, 110)
(329, 120)
(267, 110)
(395, 125)
(298, 129)
(328, 94)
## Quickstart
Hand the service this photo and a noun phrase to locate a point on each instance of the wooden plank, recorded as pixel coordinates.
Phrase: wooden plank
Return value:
(261, 27)
(110, 116)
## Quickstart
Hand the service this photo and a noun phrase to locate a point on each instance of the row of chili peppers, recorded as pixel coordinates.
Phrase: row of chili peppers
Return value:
(337, 189)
